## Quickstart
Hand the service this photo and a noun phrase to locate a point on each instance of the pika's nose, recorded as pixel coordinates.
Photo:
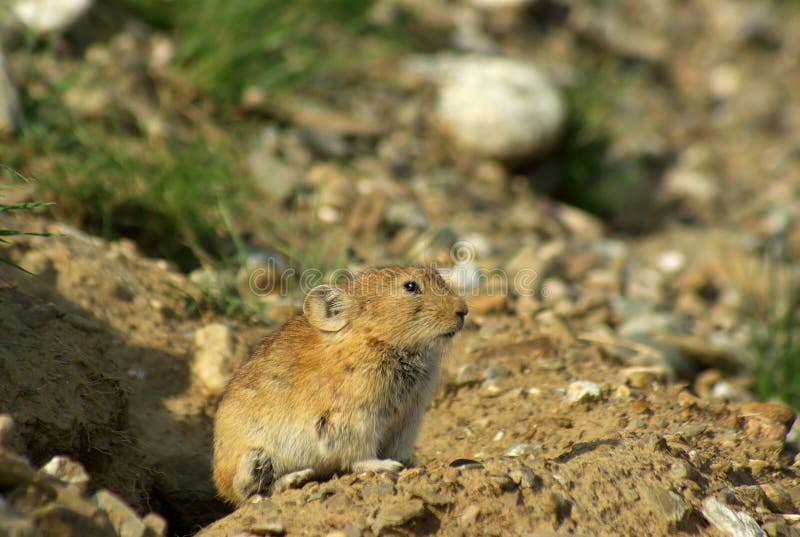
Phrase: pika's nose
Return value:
(462, 309)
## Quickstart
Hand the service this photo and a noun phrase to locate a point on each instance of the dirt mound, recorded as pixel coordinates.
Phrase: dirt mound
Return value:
(512, 457)
(536, 428)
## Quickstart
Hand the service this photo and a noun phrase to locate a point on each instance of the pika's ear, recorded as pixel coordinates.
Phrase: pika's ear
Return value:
(327, 308)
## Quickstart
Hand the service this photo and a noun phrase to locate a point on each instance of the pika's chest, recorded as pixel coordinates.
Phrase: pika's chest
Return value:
(407, 378)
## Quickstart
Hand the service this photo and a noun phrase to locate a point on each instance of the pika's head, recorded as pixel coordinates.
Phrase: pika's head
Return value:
(410, 308)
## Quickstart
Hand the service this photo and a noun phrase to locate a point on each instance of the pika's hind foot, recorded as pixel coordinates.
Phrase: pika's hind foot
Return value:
(377, 466)
(293, 480)
(254, 475)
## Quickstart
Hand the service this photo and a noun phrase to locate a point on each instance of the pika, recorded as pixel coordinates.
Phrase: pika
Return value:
(342, 387)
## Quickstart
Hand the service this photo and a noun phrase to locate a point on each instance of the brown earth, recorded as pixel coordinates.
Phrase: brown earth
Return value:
(636, 457)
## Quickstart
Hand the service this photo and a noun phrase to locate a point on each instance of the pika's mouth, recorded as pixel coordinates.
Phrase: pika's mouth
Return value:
(454, 331)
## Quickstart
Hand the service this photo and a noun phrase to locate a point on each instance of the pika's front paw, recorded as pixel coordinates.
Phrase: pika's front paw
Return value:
(293, 480)
(377, 465)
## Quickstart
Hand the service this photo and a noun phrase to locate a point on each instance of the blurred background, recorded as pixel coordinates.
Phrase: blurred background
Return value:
(614, 186)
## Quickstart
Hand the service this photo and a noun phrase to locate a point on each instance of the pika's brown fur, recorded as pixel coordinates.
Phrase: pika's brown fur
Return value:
(341, 388)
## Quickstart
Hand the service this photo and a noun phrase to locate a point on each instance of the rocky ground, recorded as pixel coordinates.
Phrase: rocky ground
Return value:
(604, 382)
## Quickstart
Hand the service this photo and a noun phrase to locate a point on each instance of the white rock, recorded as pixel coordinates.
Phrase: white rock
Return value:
(10, 111)
(733, 523)
(45, 16)
(465, 277)
(582, 390)
(671, 262)
(215, 357)
(690, 186)
(499, 108)
(67, 470)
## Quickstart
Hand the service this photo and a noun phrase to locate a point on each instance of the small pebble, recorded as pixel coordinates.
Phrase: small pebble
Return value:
(36, 316)
(667, 503)
(156, 523)
(495, 371)
(467, 374)
(466, 464)
(270, 527)
(519, 450)
(323, 492)
(84, 323)
(430, 497)
(67, 470)
(397, 514)
(525, 478)
(779, 500)
(582, 390)
(470, 514)
(645, 376)
(6, 428)
(671, 262)
(730, 522)
(377, 490)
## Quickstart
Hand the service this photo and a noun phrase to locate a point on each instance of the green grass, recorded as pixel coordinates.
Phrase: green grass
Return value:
(115, 184)
(26, 206)
(776, 338)
(226, 47)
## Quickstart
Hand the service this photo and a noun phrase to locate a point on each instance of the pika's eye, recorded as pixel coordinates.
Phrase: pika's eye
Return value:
(412, 287)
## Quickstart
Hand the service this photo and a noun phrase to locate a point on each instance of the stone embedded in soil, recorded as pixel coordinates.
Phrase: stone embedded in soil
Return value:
(582, 391)
(519, 450)
(772, 411)
(7, 430)
(269, 527)
(56, 519)
(430, 497)
(682, 470)
(645, 376)
(770, 421)
(67, 470)
(215, 357)
(667, 503)
(157, 524)
(323, 492)
(467, 374)
(397, 514)
(495, 371)
(730, 522)
(83, 323)
(470, 514)
(377, 491)
(778, 499)
(124, 519)
(40, 314)
(525, 478)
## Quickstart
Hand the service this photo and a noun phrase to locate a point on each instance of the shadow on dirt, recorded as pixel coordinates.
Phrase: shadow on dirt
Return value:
(76, 387)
